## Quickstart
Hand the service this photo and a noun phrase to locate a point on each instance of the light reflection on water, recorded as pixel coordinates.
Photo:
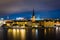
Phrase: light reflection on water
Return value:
(31, 34)
(57, 30)
(17, 34)
(58, 33)
(20, 34)
(45, 31)
(23, 32)
(35, 33)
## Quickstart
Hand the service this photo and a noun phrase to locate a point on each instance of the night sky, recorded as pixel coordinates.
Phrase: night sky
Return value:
(24, 8)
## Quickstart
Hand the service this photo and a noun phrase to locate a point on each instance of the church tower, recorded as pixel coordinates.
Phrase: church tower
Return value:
(33, 16)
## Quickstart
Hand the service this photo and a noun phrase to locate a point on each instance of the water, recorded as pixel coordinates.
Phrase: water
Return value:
(30, 34)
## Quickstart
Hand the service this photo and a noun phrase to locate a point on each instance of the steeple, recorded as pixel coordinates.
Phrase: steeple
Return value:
(33, 13)
(33, 16)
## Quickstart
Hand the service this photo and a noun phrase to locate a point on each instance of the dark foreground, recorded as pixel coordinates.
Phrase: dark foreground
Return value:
(30, 34)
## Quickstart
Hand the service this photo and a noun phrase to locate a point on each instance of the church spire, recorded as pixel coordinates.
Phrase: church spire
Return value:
(33, 12)
(33, 16)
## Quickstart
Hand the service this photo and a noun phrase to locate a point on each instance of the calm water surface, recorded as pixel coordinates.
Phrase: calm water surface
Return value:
(30, 34)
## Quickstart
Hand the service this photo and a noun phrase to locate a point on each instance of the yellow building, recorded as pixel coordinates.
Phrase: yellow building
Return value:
(49, 23)
(46, 23)
(57, 23)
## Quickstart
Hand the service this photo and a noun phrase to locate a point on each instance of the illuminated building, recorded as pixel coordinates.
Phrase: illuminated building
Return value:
(49, 23)
(57, 22)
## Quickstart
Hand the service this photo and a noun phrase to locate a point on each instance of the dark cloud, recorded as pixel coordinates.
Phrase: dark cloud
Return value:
(7, 6)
